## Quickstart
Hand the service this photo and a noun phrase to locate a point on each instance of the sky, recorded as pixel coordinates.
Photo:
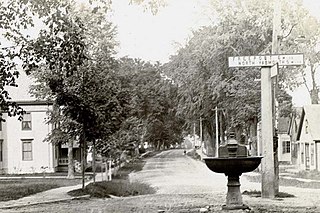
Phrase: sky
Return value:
(155, 37)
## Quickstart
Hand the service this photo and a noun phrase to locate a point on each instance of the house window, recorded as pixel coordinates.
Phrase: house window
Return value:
(286, 147)
(1, 151)
(27, 150)
(26, 122)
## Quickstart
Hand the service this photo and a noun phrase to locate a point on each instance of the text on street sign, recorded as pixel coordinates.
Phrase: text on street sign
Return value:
(266, 60)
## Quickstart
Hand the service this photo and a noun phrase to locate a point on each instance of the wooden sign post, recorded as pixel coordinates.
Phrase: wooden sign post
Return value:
(267, 63)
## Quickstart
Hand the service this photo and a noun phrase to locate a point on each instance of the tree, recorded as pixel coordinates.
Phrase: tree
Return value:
(153, 5)
(65, 58)
(152, 105)
(14, 19)
(205, 81)
(301, 34)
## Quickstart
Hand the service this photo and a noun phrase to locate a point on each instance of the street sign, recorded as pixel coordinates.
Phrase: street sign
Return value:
(274, 70)
(266, 60)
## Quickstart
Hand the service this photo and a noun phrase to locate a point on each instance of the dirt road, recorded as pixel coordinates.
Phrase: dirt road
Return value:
(171, 172)
(183, 185)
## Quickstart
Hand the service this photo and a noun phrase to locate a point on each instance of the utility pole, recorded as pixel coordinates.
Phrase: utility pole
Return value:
(94, 160)
(275, 50)
(270, 167)
(217, 132)
(194, 135)
(267, 162)
(201, 132)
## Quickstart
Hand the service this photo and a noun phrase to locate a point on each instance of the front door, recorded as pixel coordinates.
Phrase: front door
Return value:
(307, 157)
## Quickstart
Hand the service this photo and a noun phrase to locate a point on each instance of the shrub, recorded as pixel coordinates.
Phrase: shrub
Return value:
(120, 188)
(255, 193)
(193, 153)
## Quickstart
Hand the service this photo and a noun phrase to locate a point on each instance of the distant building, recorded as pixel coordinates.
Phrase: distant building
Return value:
(308, 138)
(284, 142)
(293, 133)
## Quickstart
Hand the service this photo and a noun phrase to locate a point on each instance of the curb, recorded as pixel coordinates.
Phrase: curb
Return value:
(45, 202)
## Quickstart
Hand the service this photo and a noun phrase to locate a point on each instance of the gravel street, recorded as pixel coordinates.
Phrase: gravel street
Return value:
(171, 172)
(184, 185)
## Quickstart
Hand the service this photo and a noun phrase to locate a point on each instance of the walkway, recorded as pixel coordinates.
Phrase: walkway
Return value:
(50, 196)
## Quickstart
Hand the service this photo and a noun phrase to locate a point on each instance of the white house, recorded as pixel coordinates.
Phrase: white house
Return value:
(22, 146)
(22, 149)
(284, 142)
(308, 138)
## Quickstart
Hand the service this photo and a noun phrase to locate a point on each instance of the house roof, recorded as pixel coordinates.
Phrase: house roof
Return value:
(283, 124)
(21, 93)
(294, 125)
(311, 113)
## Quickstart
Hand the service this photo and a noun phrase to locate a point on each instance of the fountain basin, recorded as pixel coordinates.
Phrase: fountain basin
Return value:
(233, 160)
(232, 166)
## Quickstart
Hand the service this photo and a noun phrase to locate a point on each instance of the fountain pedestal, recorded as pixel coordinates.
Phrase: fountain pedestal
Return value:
(234, 197)
(233, 160)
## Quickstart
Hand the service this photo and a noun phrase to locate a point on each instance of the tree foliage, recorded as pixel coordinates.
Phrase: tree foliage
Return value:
(152, 115)
(301, 34)
(153, 5)
(201, 70)
(117, 103)
(65, 60)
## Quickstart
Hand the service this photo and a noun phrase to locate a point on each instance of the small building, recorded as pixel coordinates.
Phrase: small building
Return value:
(284, 142)
(293, 133)
(308, 138)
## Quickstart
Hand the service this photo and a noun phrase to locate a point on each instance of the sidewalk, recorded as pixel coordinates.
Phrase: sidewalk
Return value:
(50, 196)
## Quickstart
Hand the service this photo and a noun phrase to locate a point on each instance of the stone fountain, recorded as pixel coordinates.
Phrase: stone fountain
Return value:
(233, 160)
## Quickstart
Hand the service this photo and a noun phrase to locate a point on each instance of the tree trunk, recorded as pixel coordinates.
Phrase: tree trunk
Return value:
(83, 159)
(253, 136)
(222, 127)
(315, 91)
(314, 96)
(158, 145)
(144, 133)
(209, 146)
(70, 160)
(209, 130)
(238, 134)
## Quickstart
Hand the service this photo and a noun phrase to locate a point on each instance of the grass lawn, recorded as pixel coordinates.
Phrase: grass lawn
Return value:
(120, 184)
(288, 182)
(11, 189)
(40, 175)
